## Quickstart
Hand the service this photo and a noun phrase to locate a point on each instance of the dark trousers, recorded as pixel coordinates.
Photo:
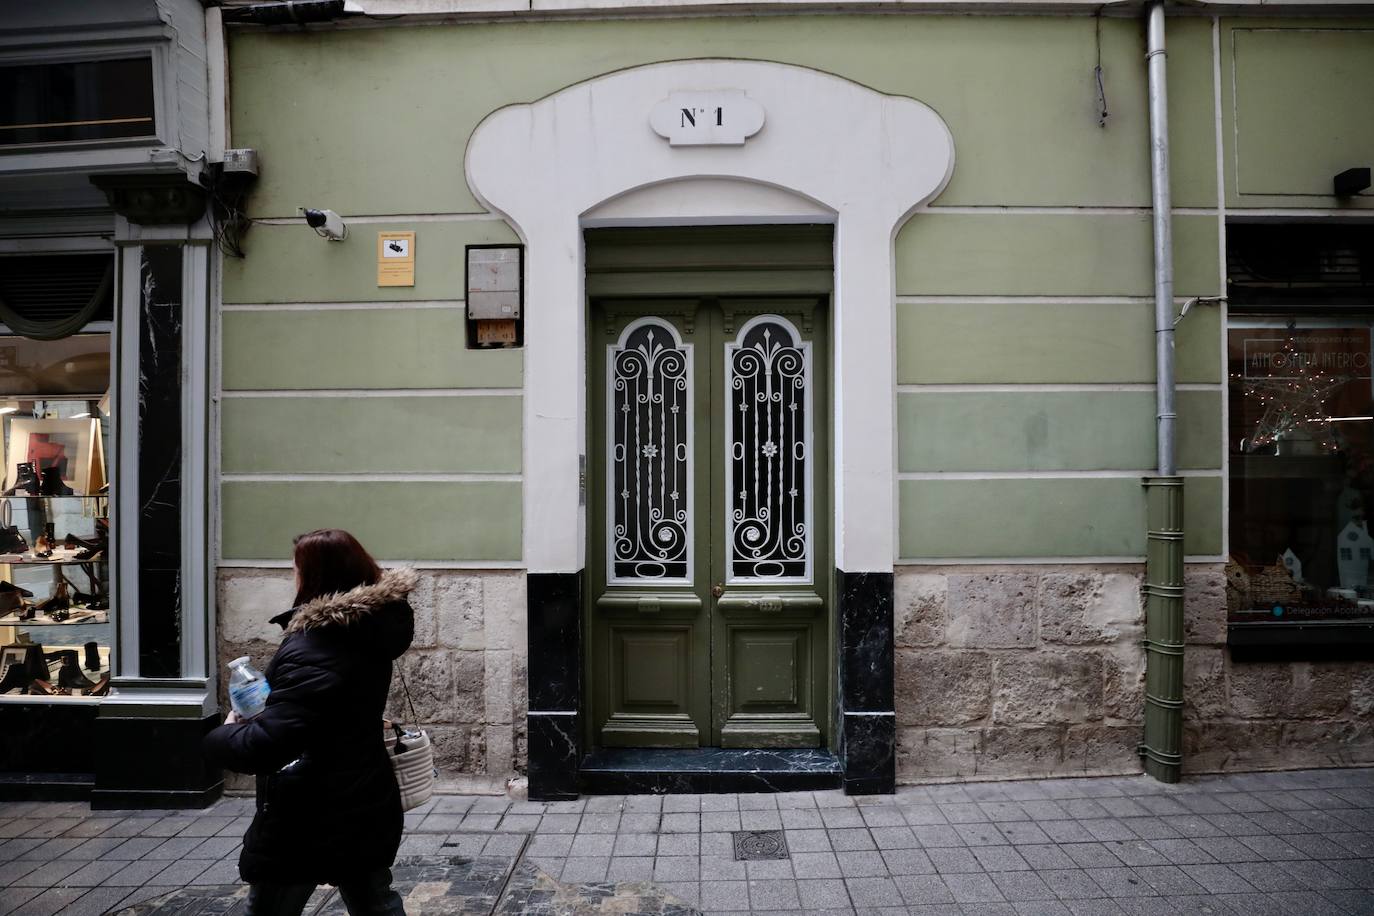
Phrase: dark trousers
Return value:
(370, 895)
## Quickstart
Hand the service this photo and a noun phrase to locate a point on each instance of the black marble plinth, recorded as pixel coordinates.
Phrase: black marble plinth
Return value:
(554, 750)
(555, 683)
(618, 771)
(868, 726)
(870, 753)
(153, 763)
(159, 462)
(555, 640)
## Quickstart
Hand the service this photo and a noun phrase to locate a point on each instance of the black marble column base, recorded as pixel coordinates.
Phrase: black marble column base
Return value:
(153, 763)
(554, 606)
(870, 753)
(868, 739)
(553, 749)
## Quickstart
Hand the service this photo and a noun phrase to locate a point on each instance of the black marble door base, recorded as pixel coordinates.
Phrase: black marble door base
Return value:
(867, 722)
(554, 608)
(153, 763)
(632, 771)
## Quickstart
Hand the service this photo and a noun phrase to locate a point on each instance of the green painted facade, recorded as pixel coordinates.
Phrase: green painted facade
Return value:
(1041, 275)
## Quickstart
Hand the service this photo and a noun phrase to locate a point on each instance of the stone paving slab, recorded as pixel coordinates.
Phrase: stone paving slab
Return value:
(1297, 844)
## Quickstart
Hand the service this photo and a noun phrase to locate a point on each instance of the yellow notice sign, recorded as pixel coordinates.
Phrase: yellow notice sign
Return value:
(395, 259)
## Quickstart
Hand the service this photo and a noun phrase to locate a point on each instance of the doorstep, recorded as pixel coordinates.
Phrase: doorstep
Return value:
(633, 771)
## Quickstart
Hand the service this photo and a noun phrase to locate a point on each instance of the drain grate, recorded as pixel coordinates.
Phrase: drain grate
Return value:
(753, 845)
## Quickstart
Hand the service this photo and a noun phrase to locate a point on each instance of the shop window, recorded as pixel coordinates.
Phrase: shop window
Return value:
(55, 617)
(1300, 435)
(76, 100)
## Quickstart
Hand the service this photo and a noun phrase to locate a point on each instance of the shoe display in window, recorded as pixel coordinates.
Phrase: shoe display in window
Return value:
(12, 597)
(51, 483)
(26, 480)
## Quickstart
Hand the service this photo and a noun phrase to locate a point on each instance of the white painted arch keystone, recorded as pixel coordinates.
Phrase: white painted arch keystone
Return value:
(862, 159)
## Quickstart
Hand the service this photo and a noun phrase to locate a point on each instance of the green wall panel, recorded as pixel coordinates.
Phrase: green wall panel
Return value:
(1019, 254)
(1017, 92)
(1044, 517)
(395, 521)
(1046, 343)
(1192, 113)
(292, 264)
(1303, 107)
(391, 347)
(1202, 516)
(1050, 431)
(380, 435)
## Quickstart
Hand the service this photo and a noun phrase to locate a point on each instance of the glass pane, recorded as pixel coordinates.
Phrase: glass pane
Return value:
(82, 100)
(1301, 441)
(650, 455)
(768, 450)
(55, 616)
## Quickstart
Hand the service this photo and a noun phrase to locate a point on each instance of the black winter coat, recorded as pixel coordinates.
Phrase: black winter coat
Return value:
(335, 811)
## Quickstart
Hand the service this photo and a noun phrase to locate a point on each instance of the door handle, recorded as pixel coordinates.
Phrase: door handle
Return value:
(717, 590)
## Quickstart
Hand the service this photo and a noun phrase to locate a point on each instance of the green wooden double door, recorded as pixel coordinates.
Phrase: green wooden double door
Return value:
(709, 560)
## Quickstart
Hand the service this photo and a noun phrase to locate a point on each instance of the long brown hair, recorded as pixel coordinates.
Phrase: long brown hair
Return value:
(330, 560)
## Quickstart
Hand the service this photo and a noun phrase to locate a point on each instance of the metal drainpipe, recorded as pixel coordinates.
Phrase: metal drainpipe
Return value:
(1163, 739)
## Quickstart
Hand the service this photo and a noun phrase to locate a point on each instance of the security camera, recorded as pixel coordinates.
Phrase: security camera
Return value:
(327, 224)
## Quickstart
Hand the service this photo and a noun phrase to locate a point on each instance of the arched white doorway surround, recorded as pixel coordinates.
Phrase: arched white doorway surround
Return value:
(829, 149)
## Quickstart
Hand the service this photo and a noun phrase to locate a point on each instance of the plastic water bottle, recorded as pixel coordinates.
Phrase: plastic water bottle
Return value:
(248, 688)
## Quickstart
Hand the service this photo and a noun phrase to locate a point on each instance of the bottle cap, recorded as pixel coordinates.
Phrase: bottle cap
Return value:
(242, 660)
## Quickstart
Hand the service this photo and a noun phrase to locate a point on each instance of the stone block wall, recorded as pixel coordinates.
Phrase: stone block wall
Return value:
(1266, 715)
(1013, 671)
(465, 669)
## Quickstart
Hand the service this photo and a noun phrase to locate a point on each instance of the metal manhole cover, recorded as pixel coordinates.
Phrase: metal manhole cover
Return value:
(752, 845)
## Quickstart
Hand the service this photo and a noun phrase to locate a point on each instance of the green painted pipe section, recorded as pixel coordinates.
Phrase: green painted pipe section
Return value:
(1163, 742)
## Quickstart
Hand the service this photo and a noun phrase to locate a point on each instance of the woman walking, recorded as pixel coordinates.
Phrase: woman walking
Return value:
(328, 809)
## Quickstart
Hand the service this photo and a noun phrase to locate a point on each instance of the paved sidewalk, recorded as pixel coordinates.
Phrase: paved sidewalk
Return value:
(1254, 844)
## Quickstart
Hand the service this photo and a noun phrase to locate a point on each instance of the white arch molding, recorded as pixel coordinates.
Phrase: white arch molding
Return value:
(829, 150)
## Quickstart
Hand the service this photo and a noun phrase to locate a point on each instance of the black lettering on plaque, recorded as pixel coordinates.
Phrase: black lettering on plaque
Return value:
(720, 115)
(688, 118)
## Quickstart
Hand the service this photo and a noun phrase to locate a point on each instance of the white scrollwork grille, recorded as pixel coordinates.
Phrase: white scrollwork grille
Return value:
(768, 456)
(649, 466)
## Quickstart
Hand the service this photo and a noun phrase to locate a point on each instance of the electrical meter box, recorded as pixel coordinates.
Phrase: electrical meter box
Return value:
(495, 294)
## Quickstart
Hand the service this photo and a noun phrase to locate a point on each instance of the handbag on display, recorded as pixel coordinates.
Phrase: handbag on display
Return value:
(11, 539)
(412, 757)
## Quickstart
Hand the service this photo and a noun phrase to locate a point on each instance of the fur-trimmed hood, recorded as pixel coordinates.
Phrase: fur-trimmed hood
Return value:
(350, 607)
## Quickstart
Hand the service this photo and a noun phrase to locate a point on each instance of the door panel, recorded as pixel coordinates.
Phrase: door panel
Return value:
(708, 571)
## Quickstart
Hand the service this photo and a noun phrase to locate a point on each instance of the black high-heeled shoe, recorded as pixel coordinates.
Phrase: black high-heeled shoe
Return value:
(12, 597)
(70, 676)
(92, 656)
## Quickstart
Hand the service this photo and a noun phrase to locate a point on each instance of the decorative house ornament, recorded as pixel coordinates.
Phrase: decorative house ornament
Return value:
(1354, 550)
(719, 117)
(1294, 566)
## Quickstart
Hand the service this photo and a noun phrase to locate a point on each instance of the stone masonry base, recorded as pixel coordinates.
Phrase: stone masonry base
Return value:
(465, 670)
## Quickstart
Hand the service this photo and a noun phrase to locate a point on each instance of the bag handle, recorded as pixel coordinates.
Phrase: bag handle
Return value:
(395, 726)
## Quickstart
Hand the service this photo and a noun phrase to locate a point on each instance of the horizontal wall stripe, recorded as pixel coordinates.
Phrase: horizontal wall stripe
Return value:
(371, 218)
(367, 437)
(386, 347)
(1064, 211)
(292, 264)
(1070, 432)
(952, 342)
(1008, 254)
(1132, 474)
(374, 393)
(447, 522)
(456, 304)
(371, 478)
(1105, 517)
(1042, 561)
(1049, 387)
(484, 565)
